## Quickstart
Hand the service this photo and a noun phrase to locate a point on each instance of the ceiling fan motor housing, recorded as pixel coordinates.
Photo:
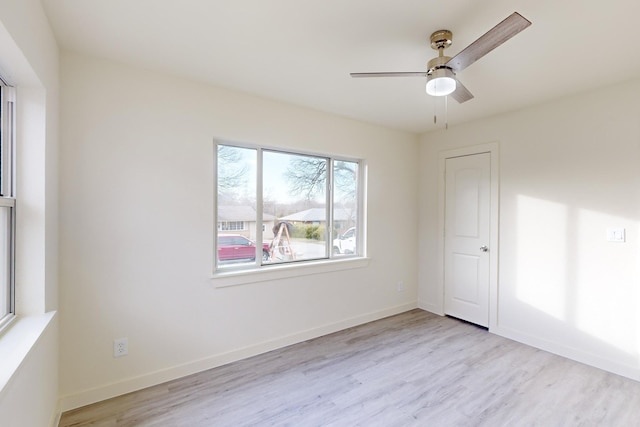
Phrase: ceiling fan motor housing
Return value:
(440, 40)
(437, 63)
(441, 80)
(440, 77)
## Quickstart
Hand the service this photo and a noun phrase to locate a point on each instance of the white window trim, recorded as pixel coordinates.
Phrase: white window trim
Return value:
(230, 276)
(223, 279)
(7, 199)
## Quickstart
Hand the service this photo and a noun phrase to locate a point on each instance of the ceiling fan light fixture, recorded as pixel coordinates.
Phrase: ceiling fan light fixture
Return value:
(441, 82)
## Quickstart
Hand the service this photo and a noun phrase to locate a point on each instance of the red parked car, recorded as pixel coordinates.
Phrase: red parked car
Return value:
(234, 247)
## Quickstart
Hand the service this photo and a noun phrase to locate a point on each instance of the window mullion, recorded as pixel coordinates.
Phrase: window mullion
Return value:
(259, 206)
(330, 209)
(361, 203)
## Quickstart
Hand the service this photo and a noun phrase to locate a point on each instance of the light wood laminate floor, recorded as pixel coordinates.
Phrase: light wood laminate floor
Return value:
(414, 369)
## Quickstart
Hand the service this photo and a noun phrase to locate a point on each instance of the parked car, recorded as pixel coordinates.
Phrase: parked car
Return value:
(346, 242)
(233, 247)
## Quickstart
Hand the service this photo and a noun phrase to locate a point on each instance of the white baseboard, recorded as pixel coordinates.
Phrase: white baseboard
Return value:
(628, 371)
(432, 308)
(632, 372)
(128, 385)
(55, 421)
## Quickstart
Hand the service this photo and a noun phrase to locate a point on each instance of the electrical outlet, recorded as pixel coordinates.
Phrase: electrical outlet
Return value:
(120, 347)
(400, 286)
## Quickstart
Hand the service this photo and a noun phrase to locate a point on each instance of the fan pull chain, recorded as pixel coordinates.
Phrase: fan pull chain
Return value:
(446, 113)
(435, 114)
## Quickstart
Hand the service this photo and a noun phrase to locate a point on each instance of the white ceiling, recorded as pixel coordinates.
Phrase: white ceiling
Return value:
(302, 51)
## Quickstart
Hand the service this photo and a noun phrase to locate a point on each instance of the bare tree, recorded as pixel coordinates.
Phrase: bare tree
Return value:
(345, 177)
(307, 177)
(232, 171)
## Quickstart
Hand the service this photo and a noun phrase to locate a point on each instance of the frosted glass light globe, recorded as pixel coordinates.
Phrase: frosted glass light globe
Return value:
(441, 82)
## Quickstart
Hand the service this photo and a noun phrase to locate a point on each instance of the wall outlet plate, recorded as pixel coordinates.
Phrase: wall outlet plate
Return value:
(120, 347)
(616, 235)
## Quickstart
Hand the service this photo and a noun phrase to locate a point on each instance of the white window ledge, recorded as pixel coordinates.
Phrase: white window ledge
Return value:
(223, 279)
(17, 341)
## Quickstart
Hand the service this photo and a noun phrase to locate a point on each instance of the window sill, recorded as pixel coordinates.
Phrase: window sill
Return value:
(17, 341)
(225, 279)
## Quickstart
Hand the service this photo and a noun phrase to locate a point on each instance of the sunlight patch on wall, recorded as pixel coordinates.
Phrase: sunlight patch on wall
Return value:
(541, 276)
(605, 294)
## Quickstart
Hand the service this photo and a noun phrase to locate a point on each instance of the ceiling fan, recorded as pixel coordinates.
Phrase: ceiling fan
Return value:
(441, 70)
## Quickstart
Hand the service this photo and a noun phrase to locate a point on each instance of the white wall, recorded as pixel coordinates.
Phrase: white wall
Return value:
(568, 171)
(30, 397)
(29, 350)
(136, 168)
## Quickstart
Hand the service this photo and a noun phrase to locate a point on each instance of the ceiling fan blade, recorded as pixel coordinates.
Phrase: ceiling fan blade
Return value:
(391, 74)
(461, 94)
(489, 41)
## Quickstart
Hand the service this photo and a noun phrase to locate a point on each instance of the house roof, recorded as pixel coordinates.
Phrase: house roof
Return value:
(319, 215)
(304, 51)
(240, 213)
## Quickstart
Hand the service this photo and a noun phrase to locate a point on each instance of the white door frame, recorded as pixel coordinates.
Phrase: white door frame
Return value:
(493, 149)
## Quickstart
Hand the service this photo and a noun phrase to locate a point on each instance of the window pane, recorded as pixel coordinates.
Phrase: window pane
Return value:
(236, 214)
(345, 207)
(5, 261)
(295, 206)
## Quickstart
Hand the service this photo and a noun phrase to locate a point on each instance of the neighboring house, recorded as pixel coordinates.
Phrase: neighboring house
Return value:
(342, 218)
(241, 219)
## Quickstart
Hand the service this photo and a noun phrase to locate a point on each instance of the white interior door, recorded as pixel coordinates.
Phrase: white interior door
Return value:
(467, 237)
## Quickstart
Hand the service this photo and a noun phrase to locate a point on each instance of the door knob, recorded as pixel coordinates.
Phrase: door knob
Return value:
(484, 248)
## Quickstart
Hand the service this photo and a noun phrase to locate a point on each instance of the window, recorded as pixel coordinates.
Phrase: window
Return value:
(230, 225)
(7, 205)
(290, 207)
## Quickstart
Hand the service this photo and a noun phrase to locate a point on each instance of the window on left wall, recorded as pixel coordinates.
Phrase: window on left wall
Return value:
(7, 203)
